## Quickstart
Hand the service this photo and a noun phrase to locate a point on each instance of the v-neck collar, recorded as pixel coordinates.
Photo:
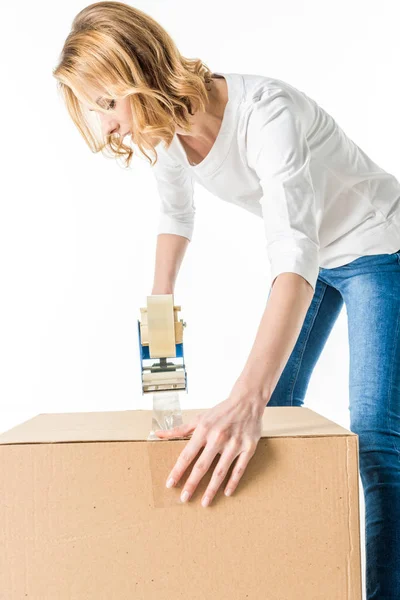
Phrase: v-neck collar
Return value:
(220, 147)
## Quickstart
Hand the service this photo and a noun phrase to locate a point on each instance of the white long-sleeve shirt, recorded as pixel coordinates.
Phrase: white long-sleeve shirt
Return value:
(281, 156)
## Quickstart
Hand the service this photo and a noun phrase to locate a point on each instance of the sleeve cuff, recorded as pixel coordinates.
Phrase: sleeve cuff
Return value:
(297, 261)
(168, 224)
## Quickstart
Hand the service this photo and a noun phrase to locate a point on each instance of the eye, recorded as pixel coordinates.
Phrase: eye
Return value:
(111, 104)
(107, 104)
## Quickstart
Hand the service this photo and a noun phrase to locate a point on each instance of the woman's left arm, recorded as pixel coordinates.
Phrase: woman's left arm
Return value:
(280, 326)
(233, 427)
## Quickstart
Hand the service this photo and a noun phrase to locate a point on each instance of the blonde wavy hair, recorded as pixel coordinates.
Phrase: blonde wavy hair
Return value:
(125, 53)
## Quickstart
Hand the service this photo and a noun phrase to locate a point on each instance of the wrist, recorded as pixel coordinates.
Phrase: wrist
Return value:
(252, 391)
(162, 289)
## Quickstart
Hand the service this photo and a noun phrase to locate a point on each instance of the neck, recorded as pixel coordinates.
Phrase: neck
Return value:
(205, 125)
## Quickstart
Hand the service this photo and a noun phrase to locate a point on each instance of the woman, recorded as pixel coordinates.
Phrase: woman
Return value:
(332, 224)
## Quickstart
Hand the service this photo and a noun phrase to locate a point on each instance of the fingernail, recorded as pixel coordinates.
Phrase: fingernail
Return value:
(228, 492)
(206, 501)
(170, 482)
(184, 496)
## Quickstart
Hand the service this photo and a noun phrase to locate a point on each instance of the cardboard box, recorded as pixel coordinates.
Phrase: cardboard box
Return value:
(85, 514)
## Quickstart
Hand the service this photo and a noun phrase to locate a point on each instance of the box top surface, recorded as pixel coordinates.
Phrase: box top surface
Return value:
(135, 425)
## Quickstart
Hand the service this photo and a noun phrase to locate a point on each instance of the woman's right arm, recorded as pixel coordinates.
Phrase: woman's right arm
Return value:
(176, 219)
(170, 251)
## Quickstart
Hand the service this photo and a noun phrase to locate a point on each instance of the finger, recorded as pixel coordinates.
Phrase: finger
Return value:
(238, 470)
(227, 457)
(178, 431)
(199, 469)
(187, 455)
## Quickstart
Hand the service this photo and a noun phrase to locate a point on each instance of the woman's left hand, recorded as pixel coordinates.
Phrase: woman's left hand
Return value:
(232, 429)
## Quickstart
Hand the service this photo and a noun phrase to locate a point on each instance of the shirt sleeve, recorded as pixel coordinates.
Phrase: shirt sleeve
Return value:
(277, 150)
(175, 188)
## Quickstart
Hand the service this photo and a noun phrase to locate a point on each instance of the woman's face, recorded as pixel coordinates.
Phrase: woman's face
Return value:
(117, 120)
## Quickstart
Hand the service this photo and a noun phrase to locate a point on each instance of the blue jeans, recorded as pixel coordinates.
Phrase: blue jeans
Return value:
(370, 289)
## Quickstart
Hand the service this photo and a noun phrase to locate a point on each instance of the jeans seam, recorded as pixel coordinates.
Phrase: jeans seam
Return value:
(396, 449)
(293, 383)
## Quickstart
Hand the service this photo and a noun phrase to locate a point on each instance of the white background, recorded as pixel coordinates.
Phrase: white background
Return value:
(78, 232)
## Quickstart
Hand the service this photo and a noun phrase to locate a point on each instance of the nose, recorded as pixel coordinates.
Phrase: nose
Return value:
(108, 127)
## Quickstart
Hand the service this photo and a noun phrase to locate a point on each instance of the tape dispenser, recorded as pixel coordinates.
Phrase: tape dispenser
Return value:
(162, 362)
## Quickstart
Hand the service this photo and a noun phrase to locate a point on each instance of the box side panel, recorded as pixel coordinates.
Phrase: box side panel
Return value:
(89, 522)
(353, 510)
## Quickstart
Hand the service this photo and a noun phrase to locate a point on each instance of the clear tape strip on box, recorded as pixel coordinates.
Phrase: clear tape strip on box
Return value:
(167, 412)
